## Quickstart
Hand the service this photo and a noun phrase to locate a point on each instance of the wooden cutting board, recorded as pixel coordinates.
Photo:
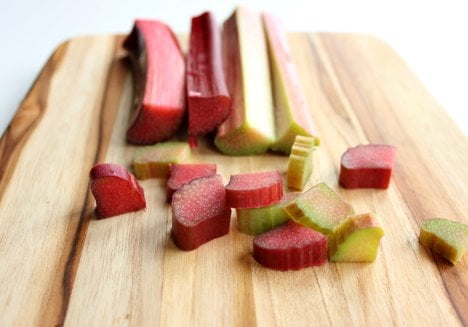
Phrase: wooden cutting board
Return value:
(59, 265)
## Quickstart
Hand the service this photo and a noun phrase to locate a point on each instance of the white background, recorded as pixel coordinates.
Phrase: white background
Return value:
(432, 36)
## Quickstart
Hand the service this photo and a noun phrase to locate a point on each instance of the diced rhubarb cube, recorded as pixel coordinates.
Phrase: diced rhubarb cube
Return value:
(199, 212)
(300, 162)
(290, 247)
(367, 166)
(116, 190)
(254, 190)
(159, 82)
(180, 174)
(209, 102)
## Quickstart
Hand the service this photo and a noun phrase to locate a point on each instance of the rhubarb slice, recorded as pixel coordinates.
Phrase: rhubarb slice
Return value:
(260, 220)
(356, 239)
(254, 190)
(290, 247)
(319, 208)
(159, 80)
(367, 166)
(209, 102)
(199, 212)
(292, 114)
(116, 190)
(445, 237)
(300, 162)
(250, 126)
(153, 161)
(180, 174)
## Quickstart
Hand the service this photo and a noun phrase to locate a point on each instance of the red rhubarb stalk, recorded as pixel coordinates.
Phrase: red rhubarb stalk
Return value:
(159, 80)
(208, 98)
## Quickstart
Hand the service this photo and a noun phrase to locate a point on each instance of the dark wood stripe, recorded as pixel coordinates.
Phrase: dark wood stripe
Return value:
(408, 178)
(28, 116)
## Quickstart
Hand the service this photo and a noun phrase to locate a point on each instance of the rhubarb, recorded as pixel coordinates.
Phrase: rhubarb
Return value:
(116, 190)
(209, 102)
(319, 208)
(300, 162)
(290, 247)
(180, 174)
(159, 80)
(153, 161)
(367, 166)
(250, 126)
(254, 190)
(199, 212)
(292, 114)
(260, 220)
(445, 237)
(356, 239)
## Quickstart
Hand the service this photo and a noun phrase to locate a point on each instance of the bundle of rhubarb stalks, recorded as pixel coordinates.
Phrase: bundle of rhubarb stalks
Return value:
(239, 87)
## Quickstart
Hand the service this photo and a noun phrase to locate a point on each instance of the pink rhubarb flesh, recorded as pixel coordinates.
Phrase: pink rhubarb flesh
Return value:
(254, 190)
(209, 102)
(159, 82)
(116, 190)
(367, 166)
(199, 212)
(290, 247)
(180, 174)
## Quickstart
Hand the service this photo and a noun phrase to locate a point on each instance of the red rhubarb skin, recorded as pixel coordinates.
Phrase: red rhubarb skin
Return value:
(116, 190)
(254, 190)
(290, 247)
(209, 102)
(199, 212)
(159, 78)
(180, 174)
(367, 166)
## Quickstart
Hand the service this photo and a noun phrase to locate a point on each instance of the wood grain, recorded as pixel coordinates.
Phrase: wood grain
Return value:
(59, 265)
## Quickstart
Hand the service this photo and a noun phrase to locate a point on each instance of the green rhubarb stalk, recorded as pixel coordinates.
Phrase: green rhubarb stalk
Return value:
(300, 162)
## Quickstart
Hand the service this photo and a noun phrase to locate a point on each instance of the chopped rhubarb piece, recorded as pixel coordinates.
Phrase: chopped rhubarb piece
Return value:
(367, 166)
(180, 174)
(209, 103)
(250, 126)
(254, 190)
(300, 162)
(199, 212)
(319, 208)
(153, 161)
(356, 239)
(290, 247)
(260, 220)
(445, 237)
(116, 190)
(292, 114)
(159, 82)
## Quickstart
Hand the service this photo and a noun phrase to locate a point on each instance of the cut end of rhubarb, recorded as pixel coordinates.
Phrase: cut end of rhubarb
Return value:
(180, 174)
(367, 166)
(319, 208)
(290, 247)
(199, 212)
(446, 237)
(116, 190)
(300, 162)
(356, 239)
(159, 80)
(153, 161)
(254, 190)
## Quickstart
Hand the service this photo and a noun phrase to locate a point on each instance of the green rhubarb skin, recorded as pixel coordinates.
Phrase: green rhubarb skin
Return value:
(445, 237)
(292, 114)
(260, 220)
(300, 162)
(319, 208)
(250, 127)
(356, 239)
(153, 161)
